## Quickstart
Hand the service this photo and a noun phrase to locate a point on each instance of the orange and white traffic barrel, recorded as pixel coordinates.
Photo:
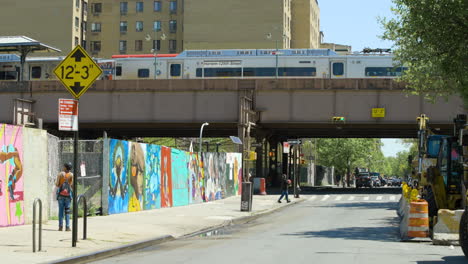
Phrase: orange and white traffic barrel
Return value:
(262, 186)
(418, 224)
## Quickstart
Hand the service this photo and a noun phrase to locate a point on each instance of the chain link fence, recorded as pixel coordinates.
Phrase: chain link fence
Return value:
(90, 170)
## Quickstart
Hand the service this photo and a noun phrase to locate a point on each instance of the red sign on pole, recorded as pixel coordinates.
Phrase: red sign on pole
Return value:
(68, 115)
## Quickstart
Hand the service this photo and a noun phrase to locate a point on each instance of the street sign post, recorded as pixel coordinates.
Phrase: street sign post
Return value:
(294, 141)
(77, 72)
(68, 115)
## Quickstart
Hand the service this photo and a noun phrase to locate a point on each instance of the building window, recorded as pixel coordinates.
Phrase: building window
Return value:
(77, 41)
(139, 26)
(143, 73)
(157, 26)
(157, 6)
(77, 3)
(95, 46)
(95, 27)
(173, 26)
(123, 26)
(123, 8)
(123, 46)
(157, 45)
(172, 45)
(36, 72)
(96, 8)
(173, 7)
(85, 7)
(138, 45)
(139, 7)
(77, 22)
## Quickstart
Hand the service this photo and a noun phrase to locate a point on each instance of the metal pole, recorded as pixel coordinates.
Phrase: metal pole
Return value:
(276, 54)
(75, 177)
(201, 135)
(37, 200)
(155, 52)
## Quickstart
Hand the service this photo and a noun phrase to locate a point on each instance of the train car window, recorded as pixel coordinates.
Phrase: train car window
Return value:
(36, 72)
(338, 68)
(118, 71)
(249, 72)
(297, 71)
(143, 73)
(8, 75)
(385, 71)
(176, 70)
(199, 72)
(223, 72)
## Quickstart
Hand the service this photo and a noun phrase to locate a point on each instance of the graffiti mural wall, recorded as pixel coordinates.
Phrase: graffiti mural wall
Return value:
(152, 184)
(180, 174)
(118, 183)
(145, 177)
(11, 176)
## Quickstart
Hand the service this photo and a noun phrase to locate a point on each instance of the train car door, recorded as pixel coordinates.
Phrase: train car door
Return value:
(175, 69)
(337, 68)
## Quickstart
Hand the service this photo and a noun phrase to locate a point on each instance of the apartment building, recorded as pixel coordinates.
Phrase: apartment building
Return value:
(171, 26)
(59, 23)
(306, 24)
(135, 27)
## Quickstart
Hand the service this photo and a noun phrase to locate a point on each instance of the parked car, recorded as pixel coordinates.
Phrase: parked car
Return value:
(364, 180)
(382, 181)
(376, 181)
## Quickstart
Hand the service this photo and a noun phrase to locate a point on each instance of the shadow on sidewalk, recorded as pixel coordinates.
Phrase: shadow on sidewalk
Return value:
(363, 205)
(446, 260)
(383, 234)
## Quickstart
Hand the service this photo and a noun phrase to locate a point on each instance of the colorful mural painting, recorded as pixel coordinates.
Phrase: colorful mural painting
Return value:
(136, 175)
(145, 177)
(11, 176)
(196, 180)
(166, 177)
(118, 183)
(152, 197)
(180, 174)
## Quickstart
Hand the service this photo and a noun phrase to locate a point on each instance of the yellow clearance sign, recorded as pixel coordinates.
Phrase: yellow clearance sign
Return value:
(378, 112)
(77, 72)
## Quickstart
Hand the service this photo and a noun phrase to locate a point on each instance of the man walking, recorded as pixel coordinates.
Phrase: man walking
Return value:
(285, 182)
(64, 194)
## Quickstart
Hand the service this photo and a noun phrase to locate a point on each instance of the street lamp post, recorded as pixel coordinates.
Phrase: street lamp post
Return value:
(201, 135)
(155, 48)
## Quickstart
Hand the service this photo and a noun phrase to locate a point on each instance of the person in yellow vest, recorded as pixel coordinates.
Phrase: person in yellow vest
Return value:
(64, 185)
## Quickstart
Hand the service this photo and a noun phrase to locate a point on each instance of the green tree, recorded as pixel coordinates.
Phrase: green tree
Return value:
(430, 38)
(347, 153)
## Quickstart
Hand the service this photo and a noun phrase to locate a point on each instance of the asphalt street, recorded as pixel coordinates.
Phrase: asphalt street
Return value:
(330, 228)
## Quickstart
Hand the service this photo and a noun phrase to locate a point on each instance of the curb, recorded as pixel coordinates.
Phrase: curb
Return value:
(107, 253)
(98, 255)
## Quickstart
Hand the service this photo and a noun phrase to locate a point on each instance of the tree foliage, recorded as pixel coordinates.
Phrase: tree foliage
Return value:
(347, 153)
(430, 38)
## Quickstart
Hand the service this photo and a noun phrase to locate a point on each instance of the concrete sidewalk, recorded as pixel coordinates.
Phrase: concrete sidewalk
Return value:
(110, 232)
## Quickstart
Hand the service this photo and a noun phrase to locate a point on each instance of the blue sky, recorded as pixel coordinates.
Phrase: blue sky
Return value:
(392, 146)
(354, 22)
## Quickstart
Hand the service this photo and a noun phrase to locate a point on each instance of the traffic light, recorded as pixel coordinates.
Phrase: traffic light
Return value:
(338, 119)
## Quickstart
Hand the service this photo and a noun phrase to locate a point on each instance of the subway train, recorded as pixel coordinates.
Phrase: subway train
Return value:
(212, 64)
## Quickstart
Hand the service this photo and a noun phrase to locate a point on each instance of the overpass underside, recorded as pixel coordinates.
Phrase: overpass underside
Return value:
(286, 108)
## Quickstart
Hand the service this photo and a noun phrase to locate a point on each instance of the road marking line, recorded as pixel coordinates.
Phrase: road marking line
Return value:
(312, 198)
(392, 198)
(338, 198)
(325, 197)
(366, 198)
(379, 198)
(351, 198)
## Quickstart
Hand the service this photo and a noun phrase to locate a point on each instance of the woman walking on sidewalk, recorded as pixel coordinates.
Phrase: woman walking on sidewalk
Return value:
(64, 194)
(285, 182)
